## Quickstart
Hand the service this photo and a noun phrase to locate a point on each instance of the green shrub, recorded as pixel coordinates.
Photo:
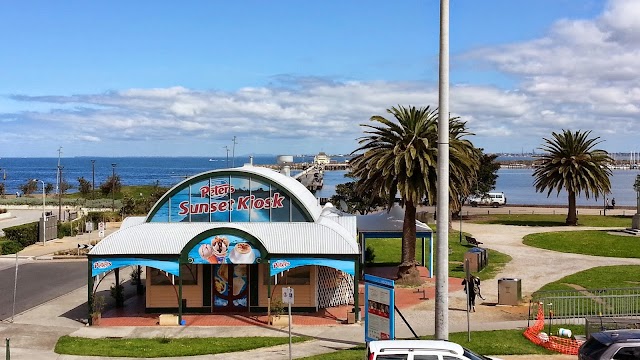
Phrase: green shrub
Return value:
(99, 216)
(9, 247)
(25, 235)
(65, 228)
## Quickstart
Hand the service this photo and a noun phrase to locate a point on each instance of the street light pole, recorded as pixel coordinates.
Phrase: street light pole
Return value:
(44, 217)
(442, 258)
(113, 187)
(233, 153)
(93, 179)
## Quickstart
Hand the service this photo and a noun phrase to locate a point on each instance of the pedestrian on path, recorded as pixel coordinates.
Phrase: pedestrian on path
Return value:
(473, 291)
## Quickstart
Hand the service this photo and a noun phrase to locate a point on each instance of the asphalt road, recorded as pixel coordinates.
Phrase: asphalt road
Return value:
(39, 282)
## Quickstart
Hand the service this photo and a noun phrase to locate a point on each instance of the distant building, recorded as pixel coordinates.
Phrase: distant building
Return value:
(321, 159)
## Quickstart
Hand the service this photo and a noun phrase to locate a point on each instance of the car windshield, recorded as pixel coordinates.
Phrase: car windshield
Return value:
(473, 356)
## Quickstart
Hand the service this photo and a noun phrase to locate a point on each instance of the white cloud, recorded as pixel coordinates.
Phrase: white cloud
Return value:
(583, 74)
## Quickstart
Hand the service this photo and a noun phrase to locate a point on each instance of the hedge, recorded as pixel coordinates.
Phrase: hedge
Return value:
(99, 216)
(9, 247)
(25, 235)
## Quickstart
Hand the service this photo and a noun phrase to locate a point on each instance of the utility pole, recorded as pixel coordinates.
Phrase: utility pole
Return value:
(442, 260)
(113, 186)
(227, 148)
(233, 153)
(58, 173)
(60, 194)
(93, 179)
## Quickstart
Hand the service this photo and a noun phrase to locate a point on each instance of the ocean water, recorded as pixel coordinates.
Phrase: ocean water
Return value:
(517, 184)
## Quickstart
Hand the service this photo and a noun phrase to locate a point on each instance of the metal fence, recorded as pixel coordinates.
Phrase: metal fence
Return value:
(573, 306)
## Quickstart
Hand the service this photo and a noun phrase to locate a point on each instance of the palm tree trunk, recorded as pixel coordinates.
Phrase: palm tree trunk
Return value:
(572, 216)
(408, 264)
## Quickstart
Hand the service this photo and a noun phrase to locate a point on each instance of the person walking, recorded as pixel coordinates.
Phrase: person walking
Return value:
(613, 203)
(473, 291)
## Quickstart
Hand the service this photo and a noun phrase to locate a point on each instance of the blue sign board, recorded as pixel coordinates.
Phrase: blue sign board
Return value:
(379, 315)
(279, 265)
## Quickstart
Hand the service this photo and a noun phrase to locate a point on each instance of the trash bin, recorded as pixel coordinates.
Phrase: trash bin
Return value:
(509, 291)
(478, 259)
(484, 258)
(475, 260)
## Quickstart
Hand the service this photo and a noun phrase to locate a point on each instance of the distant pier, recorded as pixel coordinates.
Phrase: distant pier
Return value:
(312, 174)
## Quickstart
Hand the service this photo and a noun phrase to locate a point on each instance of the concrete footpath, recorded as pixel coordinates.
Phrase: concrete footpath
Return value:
(34, 333)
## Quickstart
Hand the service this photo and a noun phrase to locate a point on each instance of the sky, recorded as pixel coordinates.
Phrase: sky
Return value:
(167, 78)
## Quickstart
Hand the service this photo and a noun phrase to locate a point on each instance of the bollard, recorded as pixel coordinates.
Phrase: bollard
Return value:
(8, 351)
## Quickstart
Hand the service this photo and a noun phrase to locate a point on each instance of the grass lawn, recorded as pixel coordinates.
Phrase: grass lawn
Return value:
(588, 242)
(164, 347)
(600, 277)
(552, 220)
(498, 342)
(388, 252)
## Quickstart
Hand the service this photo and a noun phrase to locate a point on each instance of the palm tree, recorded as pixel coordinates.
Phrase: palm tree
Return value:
(400, 157)
(570, 162)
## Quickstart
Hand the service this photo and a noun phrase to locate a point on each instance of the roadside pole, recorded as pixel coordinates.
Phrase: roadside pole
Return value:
(287, 298)
(15, 288)
(8, 352)
(467, 289)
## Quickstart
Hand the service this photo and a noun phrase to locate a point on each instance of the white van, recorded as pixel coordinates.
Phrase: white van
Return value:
(495, 199)
(420, 350)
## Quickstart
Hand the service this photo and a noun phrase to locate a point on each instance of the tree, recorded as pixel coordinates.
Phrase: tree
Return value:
(400, 157)
(84, 186)
(2, 190)
(480, 183)
(362, 202)
(112, 184)
(48, 188)
(29, 187)
(64, 187)
(571, 163)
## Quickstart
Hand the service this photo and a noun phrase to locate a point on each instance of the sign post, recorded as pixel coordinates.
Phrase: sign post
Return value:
(101, 227)
(287, 298)
(379, 322)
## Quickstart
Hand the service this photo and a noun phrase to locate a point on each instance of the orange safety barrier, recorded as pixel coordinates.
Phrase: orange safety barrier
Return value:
(562, 345)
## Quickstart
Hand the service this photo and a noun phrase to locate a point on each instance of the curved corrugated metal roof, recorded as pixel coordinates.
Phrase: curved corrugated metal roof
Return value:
(325, 237)
(132, 221)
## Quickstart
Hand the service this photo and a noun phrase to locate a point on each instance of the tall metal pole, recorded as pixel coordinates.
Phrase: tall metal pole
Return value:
(60, 194)
(44, 218)
(442, 259)
(93, 179)
(58, 173)
(113, 186)
(233, 153)
(227, 148)
(15, 289)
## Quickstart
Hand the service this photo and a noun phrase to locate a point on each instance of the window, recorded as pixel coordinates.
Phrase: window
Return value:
(189, 275)
(627, 353)
(392, 357)
(296, 276)
(426, 357)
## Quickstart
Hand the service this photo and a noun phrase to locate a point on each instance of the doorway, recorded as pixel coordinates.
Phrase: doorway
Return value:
(230, 288)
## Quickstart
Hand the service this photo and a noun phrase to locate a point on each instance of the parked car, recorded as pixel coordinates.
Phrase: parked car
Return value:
(494, 199)
(420, 350)
(612, 344)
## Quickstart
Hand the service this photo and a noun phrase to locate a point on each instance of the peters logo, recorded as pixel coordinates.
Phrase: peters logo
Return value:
(102, 264)
(280, 264)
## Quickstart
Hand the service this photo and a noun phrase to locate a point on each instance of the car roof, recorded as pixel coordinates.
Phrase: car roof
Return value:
(389, 345)
(609, 337)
